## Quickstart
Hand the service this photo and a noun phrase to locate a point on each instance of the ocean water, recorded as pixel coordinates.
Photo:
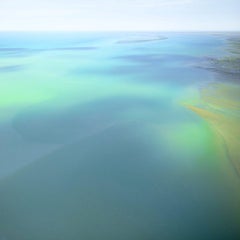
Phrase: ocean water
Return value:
(96, 141)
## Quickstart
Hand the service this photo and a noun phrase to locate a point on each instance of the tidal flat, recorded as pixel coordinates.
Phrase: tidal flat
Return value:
(220, 101)
(119, 136)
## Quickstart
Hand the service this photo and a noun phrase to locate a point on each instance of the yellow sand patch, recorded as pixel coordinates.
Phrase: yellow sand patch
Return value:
(221, 109)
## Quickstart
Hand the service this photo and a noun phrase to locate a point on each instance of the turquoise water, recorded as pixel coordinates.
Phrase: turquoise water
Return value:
(96, 143)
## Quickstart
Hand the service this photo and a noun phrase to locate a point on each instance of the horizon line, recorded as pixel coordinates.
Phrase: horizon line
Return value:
(111, 30)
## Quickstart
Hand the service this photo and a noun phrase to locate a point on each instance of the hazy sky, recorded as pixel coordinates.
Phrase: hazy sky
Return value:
(119, 15)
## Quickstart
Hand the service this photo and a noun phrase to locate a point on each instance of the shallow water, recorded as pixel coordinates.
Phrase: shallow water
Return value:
(96, 141)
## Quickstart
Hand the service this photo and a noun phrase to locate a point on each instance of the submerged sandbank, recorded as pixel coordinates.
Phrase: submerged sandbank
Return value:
(220, 107)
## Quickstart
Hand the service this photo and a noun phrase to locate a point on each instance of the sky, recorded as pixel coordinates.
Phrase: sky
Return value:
(119, 15)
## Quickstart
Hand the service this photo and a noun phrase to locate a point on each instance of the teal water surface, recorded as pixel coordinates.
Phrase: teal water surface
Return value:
(96, 143)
